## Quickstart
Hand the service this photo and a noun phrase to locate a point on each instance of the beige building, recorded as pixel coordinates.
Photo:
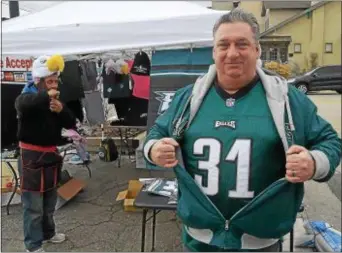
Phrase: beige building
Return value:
(305, 33)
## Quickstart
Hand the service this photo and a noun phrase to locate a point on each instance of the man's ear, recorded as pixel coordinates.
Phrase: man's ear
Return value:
(213, 53)
(258, 50)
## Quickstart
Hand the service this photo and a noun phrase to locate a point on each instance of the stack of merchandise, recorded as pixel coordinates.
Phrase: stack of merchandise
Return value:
(163, 187)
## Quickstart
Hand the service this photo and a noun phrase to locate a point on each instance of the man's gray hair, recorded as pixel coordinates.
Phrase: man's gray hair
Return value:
(239, 15)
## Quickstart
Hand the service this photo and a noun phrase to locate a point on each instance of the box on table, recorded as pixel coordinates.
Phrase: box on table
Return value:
(7, 177)
(129, 195)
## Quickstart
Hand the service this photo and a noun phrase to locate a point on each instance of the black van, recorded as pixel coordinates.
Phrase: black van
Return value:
(321, 78)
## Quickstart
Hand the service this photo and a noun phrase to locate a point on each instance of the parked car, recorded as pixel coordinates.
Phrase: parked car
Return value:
(321, 78)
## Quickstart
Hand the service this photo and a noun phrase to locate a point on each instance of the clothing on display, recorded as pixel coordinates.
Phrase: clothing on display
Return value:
(115, 85)
(132, 111)
(137, 112)
(121, 105)
(76, 107)
(89, 75)
(70, 85)
(141, 64)
(141, 86)
(140, 74)
(94, 107)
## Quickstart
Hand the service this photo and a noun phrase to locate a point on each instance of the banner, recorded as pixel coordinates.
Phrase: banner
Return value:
(172, 70)
(16, 69)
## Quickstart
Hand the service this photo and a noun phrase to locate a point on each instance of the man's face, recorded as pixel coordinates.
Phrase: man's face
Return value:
(51, 82)
(235, 50)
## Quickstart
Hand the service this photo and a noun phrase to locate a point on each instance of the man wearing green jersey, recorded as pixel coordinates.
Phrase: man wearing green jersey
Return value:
(236, 132)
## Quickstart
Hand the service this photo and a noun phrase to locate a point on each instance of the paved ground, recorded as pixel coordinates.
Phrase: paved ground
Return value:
(329, 107)
(94, 221)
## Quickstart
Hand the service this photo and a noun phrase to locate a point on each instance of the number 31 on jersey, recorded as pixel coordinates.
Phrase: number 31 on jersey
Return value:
(240, 153)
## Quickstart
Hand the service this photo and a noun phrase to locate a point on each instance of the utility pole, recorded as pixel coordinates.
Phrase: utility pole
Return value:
(13, 9)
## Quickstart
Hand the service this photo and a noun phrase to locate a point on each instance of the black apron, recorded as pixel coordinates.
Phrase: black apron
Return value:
(40, 171)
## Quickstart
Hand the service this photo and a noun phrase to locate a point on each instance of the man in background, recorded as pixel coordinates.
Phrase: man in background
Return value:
(41, 117)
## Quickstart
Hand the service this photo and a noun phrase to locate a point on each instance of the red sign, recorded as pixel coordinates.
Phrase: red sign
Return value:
(16, 64)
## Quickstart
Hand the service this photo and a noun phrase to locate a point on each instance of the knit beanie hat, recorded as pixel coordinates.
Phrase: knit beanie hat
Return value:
(141, 65)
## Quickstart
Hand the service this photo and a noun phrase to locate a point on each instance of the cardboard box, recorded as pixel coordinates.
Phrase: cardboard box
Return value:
(128, 196)
(65, 192)
(68, 191)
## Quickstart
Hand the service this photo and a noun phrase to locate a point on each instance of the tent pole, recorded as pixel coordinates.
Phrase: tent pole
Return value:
(13, 9)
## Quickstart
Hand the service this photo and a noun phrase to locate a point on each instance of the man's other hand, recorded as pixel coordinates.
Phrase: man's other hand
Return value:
(300, 165)
(56, 105)
(163, 153)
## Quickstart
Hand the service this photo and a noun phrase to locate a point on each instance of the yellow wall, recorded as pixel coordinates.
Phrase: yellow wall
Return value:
(221, 5)
(295, 30)
(332, 33)
(277, 15)
(324, 26)
(254, 7)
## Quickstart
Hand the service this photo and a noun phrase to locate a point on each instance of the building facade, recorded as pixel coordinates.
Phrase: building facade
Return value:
(304, 33)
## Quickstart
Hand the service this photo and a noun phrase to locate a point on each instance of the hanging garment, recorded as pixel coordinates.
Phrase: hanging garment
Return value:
(70, 85)
(89, 75)
(122, 106)
(93, 105)
(115, 85)
(76, 107)
(132, 111)
(140, 73)
(137, 112)
(141, 86)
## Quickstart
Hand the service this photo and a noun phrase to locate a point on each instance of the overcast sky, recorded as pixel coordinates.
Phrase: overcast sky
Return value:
(32, 6)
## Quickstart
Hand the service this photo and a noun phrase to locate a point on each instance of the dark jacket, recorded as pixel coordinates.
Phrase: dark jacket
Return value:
(37, 125)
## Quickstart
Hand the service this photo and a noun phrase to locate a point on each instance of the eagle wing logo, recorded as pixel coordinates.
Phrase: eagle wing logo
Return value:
(165, 99)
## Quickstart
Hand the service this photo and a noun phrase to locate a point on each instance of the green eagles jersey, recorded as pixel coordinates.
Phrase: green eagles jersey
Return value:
(232, 194)
(226, 145)
(233, 151)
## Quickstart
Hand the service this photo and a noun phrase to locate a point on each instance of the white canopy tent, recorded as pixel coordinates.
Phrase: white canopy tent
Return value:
(74, 28)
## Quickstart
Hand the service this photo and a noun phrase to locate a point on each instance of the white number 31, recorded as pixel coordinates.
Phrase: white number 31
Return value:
(240, 153)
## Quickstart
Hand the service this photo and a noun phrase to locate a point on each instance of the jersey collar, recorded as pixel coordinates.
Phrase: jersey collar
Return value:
(240, 93)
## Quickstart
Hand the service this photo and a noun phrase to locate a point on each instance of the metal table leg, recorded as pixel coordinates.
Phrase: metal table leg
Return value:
(291, 241)
(153, 229)
(15, 186)
(121, 146)
(143, 228)
(127, 143)
(89, 170)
